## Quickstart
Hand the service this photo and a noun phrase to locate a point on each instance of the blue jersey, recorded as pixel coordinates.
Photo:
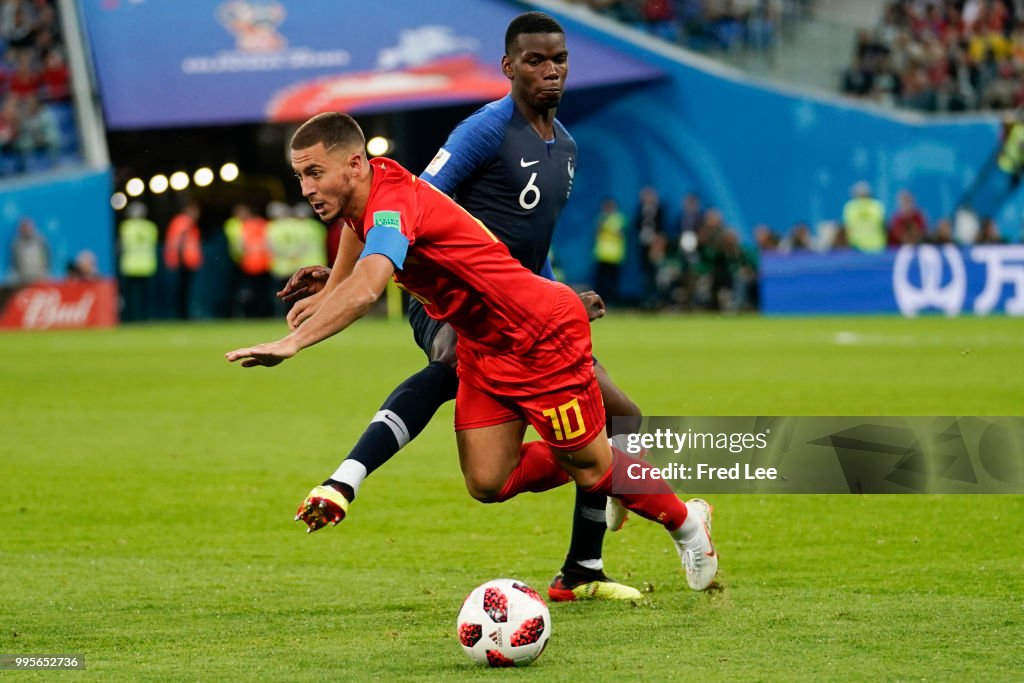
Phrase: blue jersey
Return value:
(500, 170)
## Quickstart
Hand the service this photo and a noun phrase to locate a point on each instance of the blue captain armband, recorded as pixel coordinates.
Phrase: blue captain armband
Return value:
(387, 241)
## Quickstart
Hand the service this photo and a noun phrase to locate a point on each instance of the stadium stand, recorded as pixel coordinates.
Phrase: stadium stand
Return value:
(949, 55)
(706, 25)
(37, 121)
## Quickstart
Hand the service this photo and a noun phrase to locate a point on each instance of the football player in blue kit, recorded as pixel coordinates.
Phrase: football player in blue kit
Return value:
(511, 165)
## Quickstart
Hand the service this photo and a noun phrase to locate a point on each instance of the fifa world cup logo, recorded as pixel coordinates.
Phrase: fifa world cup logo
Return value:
(254, 24)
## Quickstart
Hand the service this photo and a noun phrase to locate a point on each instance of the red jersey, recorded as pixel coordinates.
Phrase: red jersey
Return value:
(459, 271)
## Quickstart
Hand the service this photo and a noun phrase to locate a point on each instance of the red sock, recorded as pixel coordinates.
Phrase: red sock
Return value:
(658, 503)
(537, 471)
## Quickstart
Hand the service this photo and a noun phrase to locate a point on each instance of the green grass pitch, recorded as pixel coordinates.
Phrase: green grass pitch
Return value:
(148, 489)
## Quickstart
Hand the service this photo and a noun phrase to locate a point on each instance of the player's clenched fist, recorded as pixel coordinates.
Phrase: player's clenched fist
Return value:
(305, 282)
(594, 304)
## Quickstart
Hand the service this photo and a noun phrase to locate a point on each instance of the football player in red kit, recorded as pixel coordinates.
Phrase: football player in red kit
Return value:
(524, 342)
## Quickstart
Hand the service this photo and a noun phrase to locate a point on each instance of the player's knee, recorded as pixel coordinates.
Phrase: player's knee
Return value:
(587, 478)
(484, 489)
(442, 350)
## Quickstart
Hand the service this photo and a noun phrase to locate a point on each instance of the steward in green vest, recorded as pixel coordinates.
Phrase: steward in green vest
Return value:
(609, 250)
(137, 244)
(1011, 154)
(864, 220)
(138, 240)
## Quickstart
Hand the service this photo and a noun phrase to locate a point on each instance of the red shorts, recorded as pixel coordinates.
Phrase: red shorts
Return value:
(552, 385)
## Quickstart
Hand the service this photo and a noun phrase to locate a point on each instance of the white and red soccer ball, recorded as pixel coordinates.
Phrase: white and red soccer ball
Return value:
(504, 622)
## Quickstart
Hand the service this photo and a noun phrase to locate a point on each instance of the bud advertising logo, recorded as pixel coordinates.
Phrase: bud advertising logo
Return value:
(62, 305)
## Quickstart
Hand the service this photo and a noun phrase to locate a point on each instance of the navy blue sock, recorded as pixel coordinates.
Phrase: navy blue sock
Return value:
(588, 529)
(405, 414)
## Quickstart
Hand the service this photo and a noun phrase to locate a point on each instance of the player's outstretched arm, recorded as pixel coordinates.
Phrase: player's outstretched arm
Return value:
(349, 301)
(349, 251)
(310, 280)
(341, 307)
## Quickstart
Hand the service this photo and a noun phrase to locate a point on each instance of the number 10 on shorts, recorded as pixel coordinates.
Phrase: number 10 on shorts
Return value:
(563, 418)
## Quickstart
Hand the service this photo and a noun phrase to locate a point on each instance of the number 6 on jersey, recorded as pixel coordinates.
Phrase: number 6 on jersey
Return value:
(530, 190)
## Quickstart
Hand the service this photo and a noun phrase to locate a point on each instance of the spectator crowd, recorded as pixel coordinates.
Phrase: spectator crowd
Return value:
(684, 255)
(929, 55)
(692, 259)
(34, 87)
(942, 55)
(705, 25)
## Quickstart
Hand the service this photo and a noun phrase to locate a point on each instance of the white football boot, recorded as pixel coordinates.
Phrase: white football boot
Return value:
(698, 552)
(615, 513)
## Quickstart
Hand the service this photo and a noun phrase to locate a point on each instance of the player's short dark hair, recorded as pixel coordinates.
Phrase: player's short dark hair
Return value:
(530, 22)
(332, 128)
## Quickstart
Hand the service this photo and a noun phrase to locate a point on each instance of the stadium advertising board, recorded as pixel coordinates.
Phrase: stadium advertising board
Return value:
(950, 280)
(60, 305)
(283, 60)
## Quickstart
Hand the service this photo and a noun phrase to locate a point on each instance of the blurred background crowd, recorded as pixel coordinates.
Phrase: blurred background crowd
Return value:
(37, 128)
(930, 55)
(191, 268)
(689, 256)
(942, 55)
(692, 259)
(217, 252)
(707, 24)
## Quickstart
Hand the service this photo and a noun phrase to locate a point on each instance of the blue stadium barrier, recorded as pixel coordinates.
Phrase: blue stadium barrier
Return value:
(911, 281)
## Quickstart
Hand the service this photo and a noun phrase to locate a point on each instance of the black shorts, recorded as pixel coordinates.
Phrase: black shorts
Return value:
(424, 328)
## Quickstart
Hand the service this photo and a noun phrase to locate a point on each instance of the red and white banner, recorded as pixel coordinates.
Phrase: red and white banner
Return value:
(61, 305)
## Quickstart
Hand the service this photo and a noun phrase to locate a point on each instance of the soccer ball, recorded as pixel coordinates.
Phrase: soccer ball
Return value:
(504, 622)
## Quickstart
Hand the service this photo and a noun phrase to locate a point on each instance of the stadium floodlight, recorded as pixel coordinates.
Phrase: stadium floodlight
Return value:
(158, 183)
(118, 201)
(203, 176)
(135, 187)
(378, 146)
(179, 180)
(228, 172)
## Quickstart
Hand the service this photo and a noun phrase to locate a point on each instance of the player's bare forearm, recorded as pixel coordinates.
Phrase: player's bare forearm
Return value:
(350, 248)
(340, 308)
(348, 302)
(312, 280)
